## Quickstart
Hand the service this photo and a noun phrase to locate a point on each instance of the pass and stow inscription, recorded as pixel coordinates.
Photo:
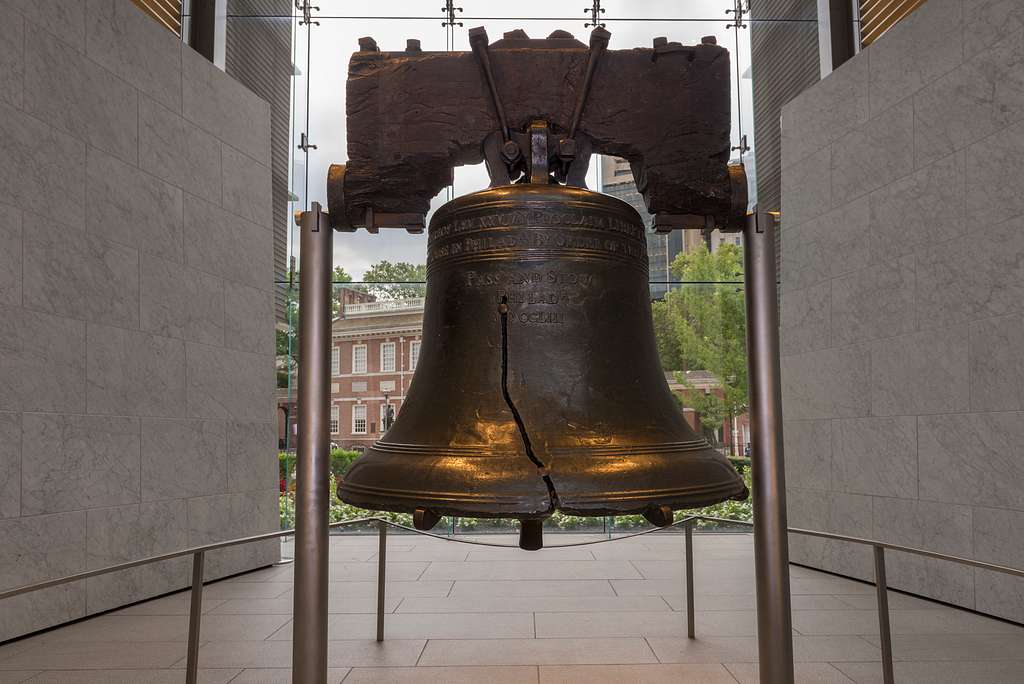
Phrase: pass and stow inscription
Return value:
(534, 296)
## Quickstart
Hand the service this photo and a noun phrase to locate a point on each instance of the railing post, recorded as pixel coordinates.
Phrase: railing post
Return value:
(195, 618)
(690, 615)
(884, 631)
(312, 482)
(381, 578)
(771, 543)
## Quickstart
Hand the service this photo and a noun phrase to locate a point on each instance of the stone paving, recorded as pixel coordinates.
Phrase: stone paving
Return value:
(459, 614)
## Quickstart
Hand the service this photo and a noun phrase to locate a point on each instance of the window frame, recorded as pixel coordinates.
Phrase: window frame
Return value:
(355, 369)
(366, 425)
(335, 361)
(335, 419)
(394, 357)
(414, 357)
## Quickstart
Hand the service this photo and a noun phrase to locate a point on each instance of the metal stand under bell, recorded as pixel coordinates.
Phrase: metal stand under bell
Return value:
(312, 482)
(771, 543)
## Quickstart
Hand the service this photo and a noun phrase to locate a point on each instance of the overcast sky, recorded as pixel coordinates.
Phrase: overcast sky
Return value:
(335, 39)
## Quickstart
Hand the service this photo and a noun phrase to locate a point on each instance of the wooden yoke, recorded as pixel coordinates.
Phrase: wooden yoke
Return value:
(413, 116)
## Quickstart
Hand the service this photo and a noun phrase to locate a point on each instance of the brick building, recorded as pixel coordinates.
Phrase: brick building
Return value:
(375, 348)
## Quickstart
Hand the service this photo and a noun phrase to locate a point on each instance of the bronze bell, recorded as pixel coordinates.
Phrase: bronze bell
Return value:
(538, 386)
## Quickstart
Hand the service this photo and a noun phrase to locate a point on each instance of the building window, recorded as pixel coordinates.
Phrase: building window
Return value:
(359, 358)
(359, 419)
(359, 386)
(335, 419)
(414, 354)
(387, 357)
(335, 361)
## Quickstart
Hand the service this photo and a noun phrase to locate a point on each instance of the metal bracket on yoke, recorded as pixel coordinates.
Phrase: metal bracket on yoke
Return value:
(509, 155)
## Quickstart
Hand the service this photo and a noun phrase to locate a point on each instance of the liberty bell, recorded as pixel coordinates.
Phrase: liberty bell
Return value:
(539, 386)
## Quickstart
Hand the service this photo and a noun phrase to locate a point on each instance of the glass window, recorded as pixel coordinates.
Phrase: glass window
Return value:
(359, 419)
(414, 354)
(335, 419)
(359, 358)
(387, 357)
(335, 361)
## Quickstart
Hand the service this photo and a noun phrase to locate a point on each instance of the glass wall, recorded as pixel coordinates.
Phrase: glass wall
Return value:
(696, 281)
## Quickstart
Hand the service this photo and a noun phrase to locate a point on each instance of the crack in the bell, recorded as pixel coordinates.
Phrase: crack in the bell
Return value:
(541, 468)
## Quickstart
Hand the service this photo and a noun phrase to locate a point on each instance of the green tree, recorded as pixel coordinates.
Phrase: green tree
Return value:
(399, 280)
(287, 348)
(704, 327)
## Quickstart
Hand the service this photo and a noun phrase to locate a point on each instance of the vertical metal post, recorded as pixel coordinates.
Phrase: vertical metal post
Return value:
(771, 543)
(312, 498)
(882, 591)
(690, 615)
(195, 617)
(382, 549)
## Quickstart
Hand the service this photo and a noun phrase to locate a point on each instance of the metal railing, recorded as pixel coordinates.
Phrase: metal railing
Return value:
(198, 554)
(384, 306)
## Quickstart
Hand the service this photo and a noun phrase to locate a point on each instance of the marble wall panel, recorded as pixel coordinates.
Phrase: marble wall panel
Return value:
(10, 465)
(917, 50)
(123, 533)
(79, 96)
(42, 169)
(178, 151)
(73, 274)
(920, 373)
(875, 456)
(181, 302)
(72, 462)
(42, 361)
(183, 458)
(12, 60)
(224, 107)
(141, 51)
(133, 208)
(135, 373)
(10, 256)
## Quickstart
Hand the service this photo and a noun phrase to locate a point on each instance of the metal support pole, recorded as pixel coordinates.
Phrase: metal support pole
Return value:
(690, 616)
(382, 551)
(771, 543)
(312, 482)
(195, 617)
(882, 590)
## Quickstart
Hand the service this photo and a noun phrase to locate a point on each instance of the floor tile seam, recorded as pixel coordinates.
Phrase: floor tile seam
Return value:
(270, 637)
(650, 648)
(393, 611)
(731, 673)
(423, 649)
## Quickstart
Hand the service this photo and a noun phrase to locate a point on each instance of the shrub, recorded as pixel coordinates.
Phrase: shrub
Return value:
(341, 459)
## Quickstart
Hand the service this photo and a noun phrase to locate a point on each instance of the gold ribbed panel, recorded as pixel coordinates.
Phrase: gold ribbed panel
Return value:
(877, 16)
(167, 12)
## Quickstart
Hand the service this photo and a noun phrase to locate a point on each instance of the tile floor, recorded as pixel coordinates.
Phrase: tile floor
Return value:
(466, 614)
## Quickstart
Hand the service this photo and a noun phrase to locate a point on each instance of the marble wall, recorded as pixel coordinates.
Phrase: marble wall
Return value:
(136, 309)
(903, 304)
